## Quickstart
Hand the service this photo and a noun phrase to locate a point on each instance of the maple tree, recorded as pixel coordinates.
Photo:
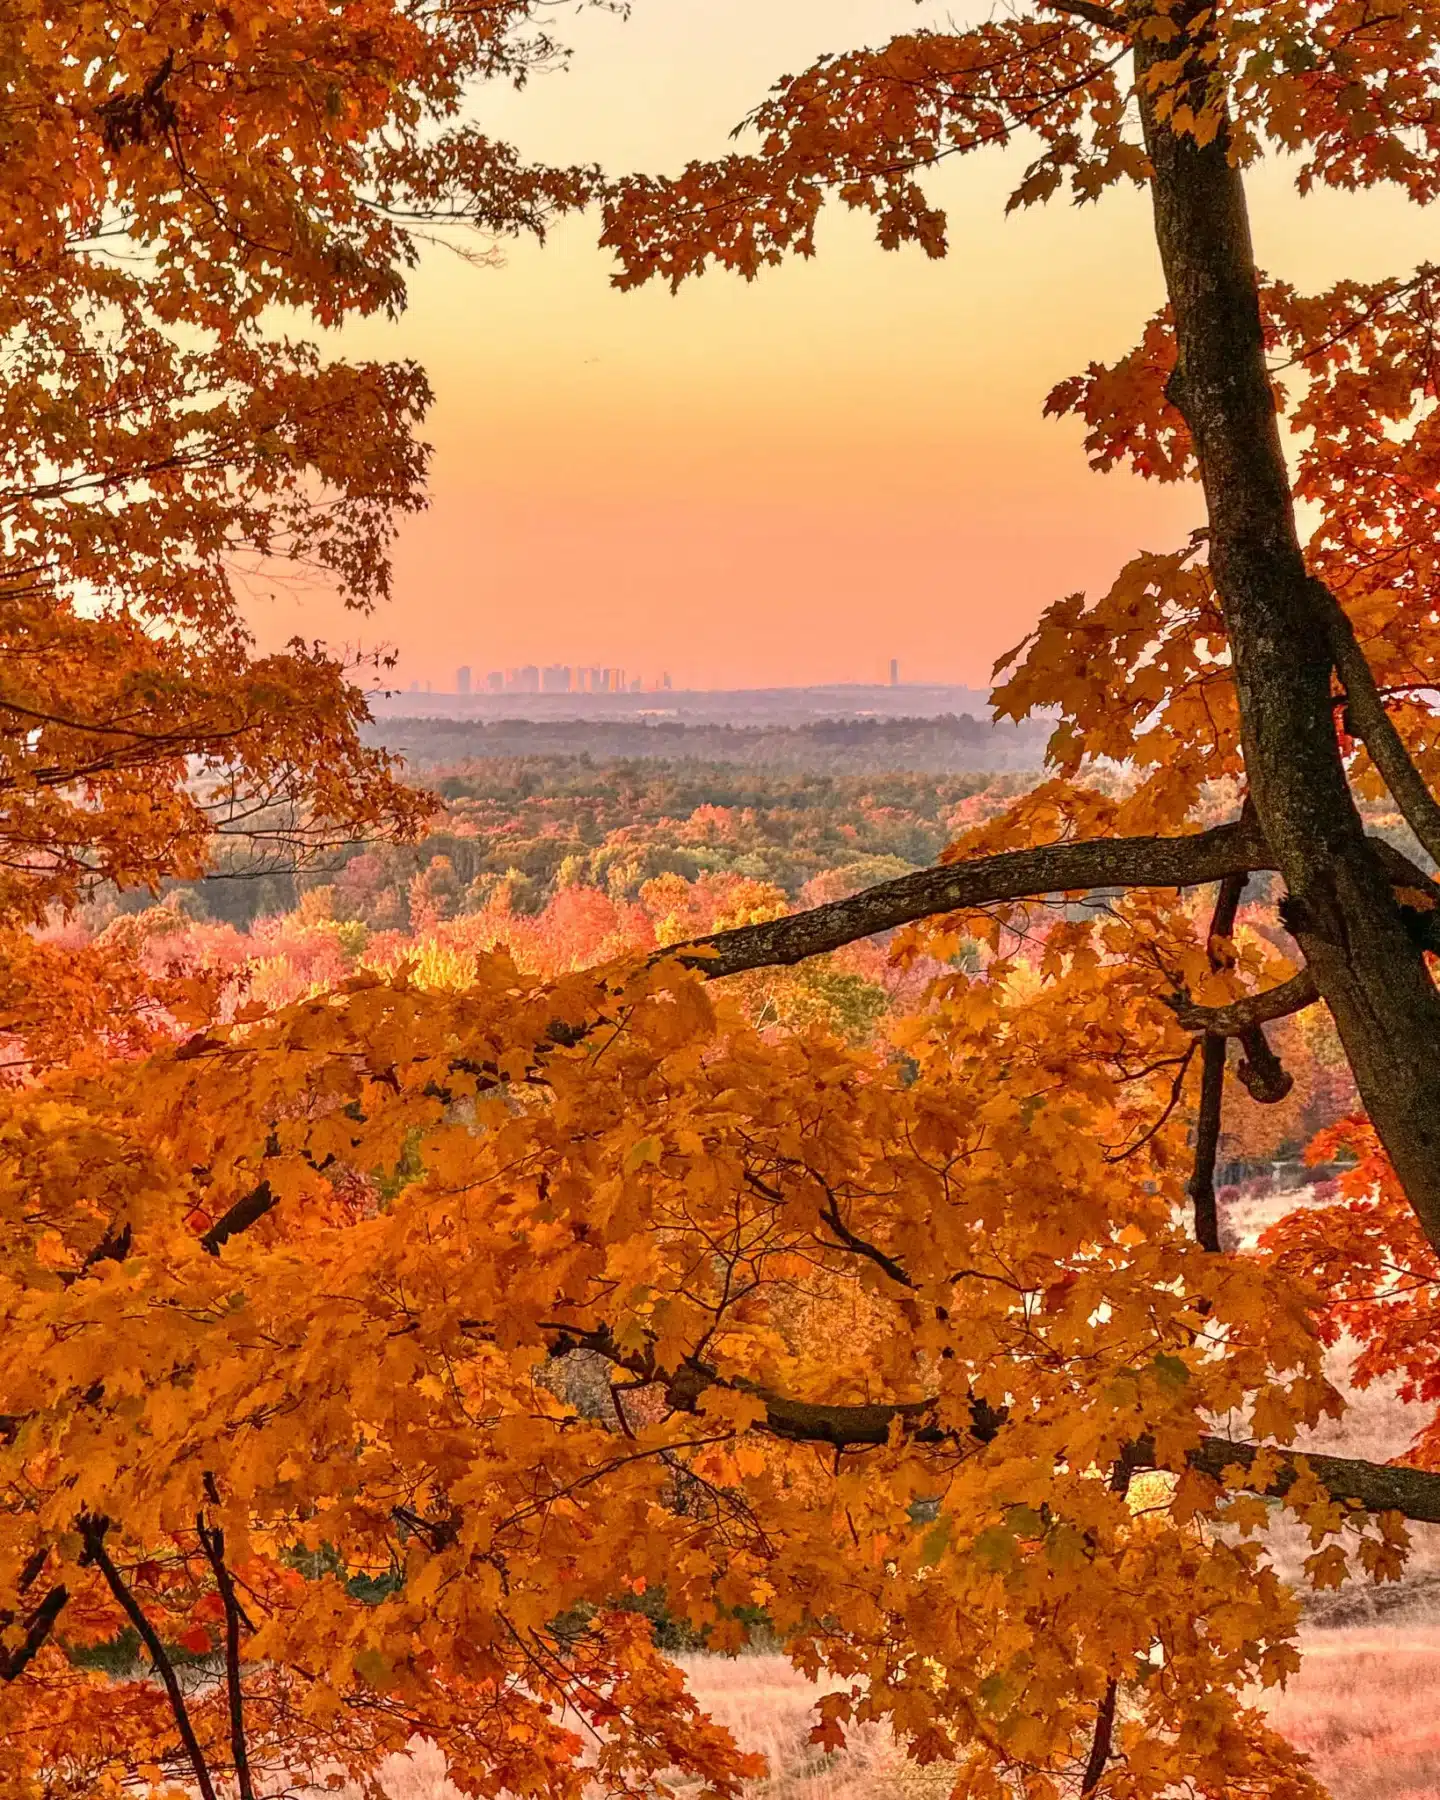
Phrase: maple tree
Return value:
(170, 173)
(927, 1345)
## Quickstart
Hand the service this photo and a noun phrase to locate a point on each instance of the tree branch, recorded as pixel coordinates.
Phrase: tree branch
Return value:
(1368, 719)
(1243, 1016)
(1227, 850)
(37, 1630)
(1101, 1744)
(852, 1241)
(1240, 1017)
(1201, 1185)
(240, 1217)
(1375, 1487)
(1261, 1072)
(1403, 872)
(93, 1532)
(1143, 862)
(950, 887)
(1212, 1093)
(838, 1426)
(1093, 15)
(213, 1543)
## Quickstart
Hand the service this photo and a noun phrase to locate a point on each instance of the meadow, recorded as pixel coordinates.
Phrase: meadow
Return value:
(1363, 1708)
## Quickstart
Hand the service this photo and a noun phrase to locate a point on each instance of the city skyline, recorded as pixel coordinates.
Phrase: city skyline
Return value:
(557, 678)
(582, 678)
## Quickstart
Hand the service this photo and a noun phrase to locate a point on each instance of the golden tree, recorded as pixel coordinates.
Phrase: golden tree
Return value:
(930, 1351)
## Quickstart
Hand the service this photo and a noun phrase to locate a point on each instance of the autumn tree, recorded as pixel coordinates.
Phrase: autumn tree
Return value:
(930, 1350)
(169, 175)
(1279, 644)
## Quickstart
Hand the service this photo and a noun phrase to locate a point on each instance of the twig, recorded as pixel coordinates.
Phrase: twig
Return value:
(851, 1240)
(1104, 1739)
(1176, 1088)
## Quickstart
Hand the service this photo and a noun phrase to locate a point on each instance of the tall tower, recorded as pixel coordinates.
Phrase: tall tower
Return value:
(462, 680)
(894, 671)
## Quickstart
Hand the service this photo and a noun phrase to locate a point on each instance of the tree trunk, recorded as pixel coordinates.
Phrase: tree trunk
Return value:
(1340, 907)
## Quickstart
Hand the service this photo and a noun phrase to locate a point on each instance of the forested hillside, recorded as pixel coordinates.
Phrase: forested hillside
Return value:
(566, 861)
(535, 824)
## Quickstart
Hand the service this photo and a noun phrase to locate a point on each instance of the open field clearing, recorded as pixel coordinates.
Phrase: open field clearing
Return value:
(1366, 1707)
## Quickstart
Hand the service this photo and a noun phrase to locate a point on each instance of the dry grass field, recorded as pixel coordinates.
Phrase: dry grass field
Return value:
(1366, 1708)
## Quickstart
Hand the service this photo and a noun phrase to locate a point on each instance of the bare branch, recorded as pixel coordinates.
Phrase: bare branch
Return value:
(213, 1543)
(37, 1631)
(1243, 1016)
(1368, 719)
(1100, 1746)
(93, 1532)
(1143, 862)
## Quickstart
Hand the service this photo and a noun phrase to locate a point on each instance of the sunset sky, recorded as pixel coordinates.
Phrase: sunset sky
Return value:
(791, 481)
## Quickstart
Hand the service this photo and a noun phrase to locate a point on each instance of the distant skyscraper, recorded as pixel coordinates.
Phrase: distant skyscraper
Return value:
(462, 681)
(563, 678)
(894, 671)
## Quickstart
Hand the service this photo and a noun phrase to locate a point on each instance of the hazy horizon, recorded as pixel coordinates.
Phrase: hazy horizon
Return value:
(791, 482)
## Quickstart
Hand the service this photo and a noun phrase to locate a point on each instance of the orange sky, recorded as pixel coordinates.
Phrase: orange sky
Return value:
(791, 481)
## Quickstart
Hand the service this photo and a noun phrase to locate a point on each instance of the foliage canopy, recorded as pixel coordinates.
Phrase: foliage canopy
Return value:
(927, 1347)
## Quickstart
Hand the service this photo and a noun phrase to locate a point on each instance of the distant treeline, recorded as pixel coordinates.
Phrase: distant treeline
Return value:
(951, 744)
